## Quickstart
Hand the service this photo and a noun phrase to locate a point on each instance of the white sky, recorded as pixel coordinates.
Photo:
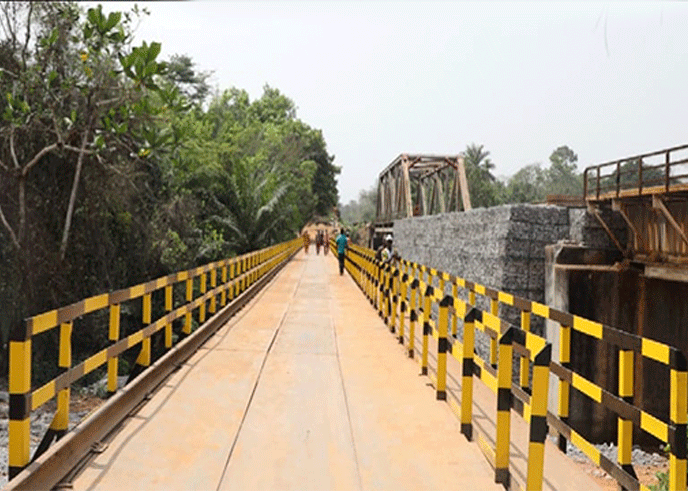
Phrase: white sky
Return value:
(384, 78)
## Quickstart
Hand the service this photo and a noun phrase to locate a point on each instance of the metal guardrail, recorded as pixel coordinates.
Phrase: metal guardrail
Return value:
(236, 274)
(662, 171)
(397, 291)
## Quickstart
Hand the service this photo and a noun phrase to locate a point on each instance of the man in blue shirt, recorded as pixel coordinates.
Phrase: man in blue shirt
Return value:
(342, 242)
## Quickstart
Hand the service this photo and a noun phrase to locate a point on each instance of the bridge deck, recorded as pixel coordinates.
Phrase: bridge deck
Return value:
(303, 389)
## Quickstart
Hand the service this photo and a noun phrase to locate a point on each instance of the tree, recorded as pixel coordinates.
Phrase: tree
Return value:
(528, 185)
(182, 73)
(67, 99)
(562, 175)
(235, 149)
(78, 143)
(361, 210)
(485, 189)
(114, 171)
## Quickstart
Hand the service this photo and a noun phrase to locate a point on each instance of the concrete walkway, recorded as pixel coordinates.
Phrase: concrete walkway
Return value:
(305, 389)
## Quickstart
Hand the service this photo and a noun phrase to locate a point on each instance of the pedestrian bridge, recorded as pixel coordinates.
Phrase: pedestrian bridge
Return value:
(278, 373)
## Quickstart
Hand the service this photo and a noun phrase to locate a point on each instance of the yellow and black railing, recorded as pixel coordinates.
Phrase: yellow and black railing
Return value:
(235, 276)
(418, 292)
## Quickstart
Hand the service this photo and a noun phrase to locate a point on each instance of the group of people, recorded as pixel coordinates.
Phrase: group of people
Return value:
(385, 253)
(322, 239)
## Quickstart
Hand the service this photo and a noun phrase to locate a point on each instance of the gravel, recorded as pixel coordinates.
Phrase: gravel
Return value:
(639, 456)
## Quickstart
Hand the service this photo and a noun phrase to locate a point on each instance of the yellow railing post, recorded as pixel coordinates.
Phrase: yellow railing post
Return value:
(564, 386)
(387, 294)
(394, 298)
(538, 419)
(625, 426)
(144, 358)
(467, 373)
(678, 403)
(223, 295)
(168, 309)
(494, 310)
(19, 427)
(369, 279)
(237, 275)
(232, 275)
(443, 347)
(503, 438)
(380, 286)
(189, 297)
(454, 320)
(213, 283)
(427, 329)
(413, 316)
(201, 309)
(242, 272)
(403, 307)
(524, 362)
(113, 335)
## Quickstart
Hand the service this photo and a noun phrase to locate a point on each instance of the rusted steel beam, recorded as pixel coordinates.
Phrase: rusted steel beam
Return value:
(596, 214)
(463, 181)
(618, 206)
(407, 187)
(658, 204)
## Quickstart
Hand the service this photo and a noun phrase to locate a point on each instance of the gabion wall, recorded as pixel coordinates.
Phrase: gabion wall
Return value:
(501, 247)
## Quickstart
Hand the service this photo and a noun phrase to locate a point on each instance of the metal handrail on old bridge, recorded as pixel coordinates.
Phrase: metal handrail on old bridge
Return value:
(650, 192)
(444, 302)
(662, 171)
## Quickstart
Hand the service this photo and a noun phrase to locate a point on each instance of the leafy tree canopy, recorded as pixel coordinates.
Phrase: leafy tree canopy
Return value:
(117, 166)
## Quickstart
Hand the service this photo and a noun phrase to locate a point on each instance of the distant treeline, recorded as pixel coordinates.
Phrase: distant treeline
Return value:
(531, 184)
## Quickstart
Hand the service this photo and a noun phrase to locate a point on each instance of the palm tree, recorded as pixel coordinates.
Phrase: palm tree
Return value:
(254, 211)
(484, 188)
(476, 157)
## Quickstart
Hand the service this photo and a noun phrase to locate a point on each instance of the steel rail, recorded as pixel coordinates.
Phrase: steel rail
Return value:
(49, 469)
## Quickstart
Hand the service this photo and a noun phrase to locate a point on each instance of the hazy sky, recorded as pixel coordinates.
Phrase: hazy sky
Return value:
(383, 78)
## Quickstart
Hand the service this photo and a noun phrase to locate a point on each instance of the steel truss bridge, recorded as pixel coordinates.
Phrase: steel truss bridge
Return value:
(421, 184)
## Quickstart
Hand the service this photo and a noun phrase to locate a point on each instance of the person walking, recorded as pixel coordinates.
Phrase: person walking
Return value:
(318, 241)
(342, 243)
(306, 241)
(326, 242)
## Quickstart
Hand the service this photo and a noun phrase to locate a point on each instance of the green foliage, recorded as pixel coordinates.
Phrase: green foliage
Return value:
(562, 176)
(528, 185)
(113, 170)
(532, 183)
(662, 482)
(484, 188)
(361, 210)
